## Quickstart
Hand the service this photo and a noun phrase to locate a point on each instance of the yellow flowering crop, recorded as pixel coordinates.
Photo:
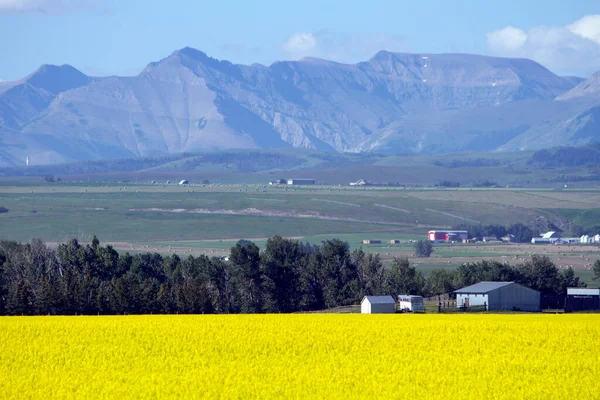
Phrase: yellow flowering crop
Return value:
(301, 356)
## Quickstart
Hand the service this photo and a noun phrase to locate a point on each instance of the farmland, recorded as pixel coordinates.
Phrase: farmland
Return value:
(301, 356)
(209, 219)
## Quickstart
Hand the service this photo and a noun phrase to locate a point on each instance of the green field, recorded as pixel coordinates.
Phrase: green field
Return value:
(209, 219)
(136, 213)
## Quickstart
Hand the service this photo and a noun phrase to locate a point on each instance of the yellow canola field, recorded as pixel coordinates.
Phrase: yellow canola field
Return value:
(301, 356)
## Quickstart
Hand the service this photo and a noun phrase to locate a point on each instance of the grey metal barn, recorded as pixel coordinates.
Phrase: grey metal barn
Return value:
(580, 299)
(377, 305)
(499, 296)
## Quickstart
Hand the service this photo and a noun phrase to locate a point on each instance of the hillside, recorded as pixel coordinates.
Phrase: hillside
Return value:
(393, 103)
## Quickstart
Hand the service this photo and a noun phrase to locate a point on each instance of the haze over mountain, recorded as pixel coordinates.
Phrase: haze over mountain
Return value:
(397, 103)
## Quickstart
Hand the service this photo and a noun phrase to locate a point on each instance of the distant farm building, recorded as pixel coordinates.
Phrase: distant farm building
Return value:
(581, 299)
(377, 305)
(278, 182)
(371, 241)
(550, 235)
(360, 182)
(488, 239)
(589, 239)
(447, 236)
(301, 182)
(409, 303)
(510, 238)
(184, 182)
(499, 296)
(394, 241)
(540, 240)
(567, 241)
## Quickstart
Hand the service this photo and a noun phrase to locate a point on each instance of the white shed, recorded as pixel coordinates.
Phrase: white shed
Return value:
(377, 305)
(508, 296)
(183, 182)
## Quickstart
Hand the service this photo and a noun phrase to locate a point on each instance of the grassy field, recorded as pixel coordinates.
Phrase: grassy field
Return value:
(209, 219)
(161, 212)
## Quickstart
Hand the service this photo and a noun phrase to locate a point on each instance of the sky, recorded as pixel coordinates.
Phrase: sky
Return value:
(120, 37)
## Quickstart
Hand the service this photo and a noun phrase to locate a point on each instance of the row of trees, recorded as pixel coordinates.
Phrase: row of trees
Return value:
(521, 232)
(287, 276)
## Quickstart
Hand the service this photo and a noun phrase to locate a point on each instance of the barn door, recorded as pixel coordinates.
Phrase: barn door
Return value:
(466, 302)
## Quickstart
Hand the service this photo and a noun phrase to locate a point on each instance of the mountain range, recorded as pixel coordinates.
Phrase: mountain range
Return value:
(392, 103)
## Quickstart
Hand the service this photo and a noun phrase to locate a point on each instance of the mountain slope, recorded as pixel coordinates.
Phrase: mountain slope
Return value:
(189, 101)
(588, 88)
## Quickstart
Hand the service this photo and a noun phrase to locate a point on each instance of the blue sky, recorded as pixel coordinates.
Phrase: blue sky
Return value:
(102, 37)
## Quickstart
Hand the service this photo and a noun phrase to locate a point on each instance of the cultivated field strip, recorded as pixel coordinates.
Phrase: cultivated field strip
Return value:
(301, 356)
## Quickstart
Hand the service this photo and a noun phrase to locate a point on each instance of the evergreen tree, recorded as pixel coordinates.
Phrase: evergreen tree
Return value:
(404, 279)
(423, 248)
(596, 270)
(282, 262)
(247, 277)
(342, 285)
(370, 271)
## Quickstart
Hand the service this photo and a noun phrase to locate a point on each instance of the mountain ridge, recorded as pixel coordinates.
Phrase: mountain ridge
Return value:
(393, 102)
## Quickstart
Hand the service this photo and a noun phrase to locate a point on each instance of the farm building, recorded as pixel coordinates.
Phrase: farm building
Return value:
(394, 241)
(510, 238)
(447, 236)
(499, 296)
(360, 182)
(301, 182)
(588, 239)
(371, 241)
(551, 235)
(541, 240)
(183, 182)
(377, 305)
(579, 299)
(548, 237)
(411, 303)
(488, 239)
(278, 182)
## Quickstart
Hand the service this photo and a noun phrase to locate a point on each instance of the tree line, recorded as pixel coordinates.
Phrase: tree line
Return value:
(588, 154)
(521, 232)
(287, 276)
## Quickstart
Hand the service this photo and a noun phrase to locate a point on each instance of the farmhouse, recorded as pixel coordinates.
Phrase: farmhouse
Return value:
(579, 299)
(377, 305)
(301, 182)
(371, 241)
(499, 296)
(394, 241)
(447, 236)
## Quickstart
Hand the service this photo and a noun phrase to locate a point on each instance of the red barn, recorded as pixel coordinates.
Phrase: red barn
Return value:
(447, 236)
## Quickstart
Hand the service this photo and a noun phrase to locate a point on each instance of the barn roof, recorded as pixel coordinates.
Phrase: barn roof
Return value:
(483, 287)
(379, 299)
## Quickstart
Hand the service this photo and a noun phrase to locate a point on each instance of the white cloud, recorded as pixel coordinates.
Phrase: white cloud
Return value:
(587, 27)
(49, 6)
(340, 47)
(301, 43)
(507, 39)
(571, 49)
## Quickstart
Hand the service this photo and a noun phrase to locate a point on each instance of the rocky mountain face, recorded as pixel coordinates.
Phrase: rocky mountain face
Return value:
(391, 103)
